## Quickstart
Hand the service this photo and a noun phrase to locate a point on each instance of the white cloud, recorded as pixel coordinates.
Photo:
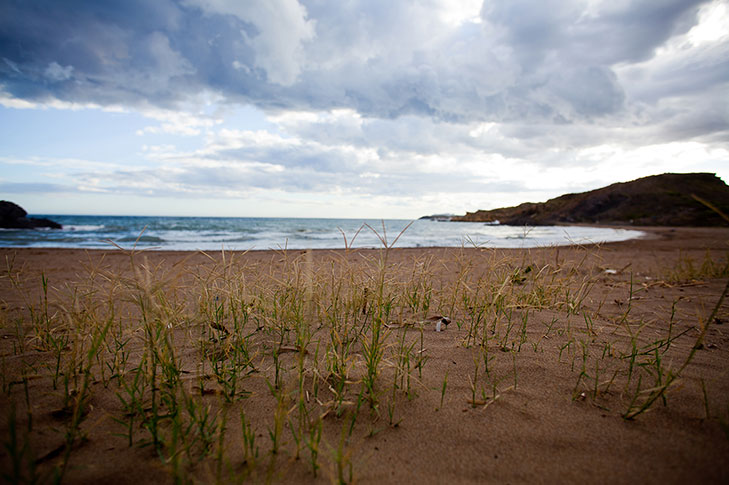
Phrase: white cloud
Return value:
(177, 122)
(9, 101)
(712, 24)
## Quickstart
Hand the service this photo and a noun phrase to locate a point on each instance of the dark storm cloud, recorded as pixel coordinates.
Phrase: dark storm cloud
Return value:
(607, 33)
(131, 52)
(550, 60)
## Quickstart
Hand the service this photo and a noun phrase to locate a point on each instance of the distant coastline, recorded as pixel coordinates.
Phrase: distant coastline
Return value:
(439, 217)
(659, 200)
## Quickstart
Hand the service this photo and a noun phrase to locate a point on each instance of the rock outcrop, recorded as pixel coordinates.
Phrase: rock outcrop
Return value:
(659, 200)
(438, 217)
(12, 216)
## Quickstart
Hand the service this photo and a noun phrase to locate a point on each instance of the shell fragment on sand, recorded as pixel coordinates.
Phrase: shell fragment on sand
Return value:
(439, 320)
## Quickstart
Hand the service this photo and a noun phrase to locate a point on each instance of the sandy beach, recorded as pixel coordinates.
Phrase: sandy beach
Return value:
(607, 364)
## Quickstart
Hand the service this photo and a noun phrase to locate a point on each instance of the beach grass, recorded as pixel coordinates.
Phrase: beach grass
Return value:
(233, 369)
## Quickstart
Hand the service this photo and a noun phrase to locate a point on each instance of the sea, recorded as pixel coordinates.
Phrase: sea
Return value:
(241, 234)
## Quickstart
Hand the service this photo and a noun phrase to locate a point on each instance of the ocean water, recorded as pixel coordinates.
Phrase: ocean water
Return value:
(215, 233)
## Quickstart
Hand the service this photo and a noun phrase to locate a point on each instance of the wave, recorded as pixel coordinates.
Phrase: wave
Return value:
(83, 228)
(142, 239)
(176, 233)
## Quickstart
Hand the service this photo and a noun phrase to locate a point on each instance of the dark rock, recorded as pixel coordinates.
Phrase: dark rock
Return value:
(438, 217)
(660, 200)
(12, 216)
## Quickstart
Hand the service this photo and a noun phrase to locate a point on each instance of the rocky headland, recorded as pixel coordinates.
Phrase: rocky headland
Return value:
(670, 199)
(12, 216)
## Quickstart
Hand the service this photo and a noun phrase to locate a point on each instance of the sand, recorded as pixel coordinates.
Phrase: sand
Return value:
(537, 417)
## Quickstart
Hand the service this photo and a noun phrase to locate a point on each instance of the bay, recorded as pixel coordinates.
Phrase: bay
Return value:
(230, 233)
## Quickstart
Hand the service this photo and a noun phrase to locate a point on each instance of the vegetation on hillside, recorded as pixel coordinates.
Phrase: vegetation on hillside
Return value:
(660, 200)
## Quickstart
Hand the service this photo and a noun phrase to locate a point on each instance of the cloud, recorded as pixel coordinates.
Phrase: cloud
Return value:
(377, 96)
(176, 122)
(278, 29)
(55, 72)
(539, 60)
(33, 187)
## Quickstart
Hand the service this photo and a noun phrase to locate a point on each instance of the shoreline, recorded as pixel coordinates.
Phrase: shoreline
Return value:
(679, 235)
(175, 235)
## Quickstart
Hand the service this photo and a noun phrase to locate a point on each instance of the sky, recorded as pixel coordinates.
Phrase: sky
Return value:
(352, 108)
